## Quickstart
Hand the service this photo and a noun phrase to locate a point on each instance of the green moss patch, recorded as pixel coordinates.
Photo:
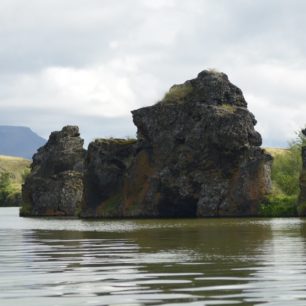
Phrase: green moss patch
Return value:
(111, 206)
(225, 109)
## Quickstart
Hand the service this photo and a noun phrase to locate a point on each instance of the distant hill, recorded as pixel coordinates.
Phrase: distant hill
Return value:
(277, 151)
(15, 166)
(19, 141)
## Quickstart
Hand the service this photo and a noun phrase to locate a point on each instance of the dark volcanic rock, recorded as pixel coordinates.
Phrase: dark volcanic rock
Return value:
(55, 184)
(197, 154)
(106, 164)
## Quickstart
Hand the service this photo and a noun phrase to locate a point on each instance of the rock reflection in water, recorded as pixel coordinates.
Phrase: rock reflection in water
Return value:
(155, 262)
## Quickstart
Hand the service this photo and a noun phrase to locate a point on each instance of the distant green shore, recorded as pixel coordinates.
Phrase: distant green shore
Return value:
(12, 173)
(285, 175)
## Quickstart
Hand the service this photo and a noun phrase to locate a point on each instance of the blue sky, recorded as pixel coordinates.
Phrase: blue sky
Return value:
(90, 62)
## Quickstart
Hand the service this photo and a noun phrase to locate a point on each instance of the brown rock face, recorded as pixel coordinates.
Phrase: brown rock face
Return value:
(197, 154)
(55, 184)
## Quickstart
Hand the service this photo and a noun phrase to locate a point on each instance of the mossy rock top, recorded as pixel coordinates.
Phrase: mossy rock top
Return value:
(210, 87)
(115, 141)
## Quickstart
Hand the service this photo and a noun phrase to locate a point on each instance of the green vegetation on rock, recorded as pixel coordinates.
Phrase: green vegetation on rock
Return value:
(110, 207)
(227, 108)
(117, 141)
(177, 93)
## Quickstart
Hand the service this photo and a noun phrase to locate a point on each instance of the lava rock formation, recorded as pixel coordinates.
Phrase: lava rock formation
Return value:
(55, 185)
(197, 154)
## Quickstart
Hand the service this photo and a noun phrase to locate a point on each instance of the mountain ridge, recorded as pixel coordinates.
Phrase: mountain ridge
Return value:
(19, 141)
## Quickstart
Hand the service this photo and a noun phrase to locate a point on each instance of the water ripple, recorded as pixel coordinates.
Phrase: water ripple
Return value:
(152, 262)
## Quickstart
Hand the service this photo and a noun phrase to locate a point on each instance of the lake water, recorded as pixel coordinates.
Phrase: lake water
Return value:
(151, 262)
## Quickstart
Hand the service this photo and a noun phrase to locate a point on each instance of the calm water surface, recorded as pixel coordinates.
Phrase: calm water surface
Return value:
(151, 262)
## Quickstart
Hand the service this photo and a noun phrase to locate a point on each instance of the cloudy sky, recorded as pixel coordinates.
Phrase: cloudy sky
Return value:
(89, 62)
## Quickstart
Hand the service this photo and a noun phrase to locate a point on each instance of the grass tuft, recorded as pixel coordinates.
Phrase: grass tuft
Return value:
(228, 108)
(177, 93)
(118, 141)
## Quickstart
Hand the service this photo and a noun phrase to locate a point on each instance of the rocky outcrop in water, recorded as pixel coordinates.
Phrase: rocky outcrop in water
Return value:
(197, 154)
(55, 184)
(302, 197)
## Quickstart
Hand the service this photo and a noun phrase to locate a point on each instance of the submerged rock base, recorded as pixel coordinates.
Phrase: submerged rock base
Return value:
(197, 154)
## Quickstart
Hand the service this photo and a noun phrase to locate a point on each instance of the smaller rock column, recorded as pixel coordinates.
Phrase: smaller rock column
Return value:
(54, 186)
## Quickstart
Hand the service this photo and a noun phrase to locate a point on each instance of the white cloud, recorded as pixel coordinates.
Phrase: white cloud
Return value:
(76, 61)
(276, 95)
(110, 90)
(159, 4)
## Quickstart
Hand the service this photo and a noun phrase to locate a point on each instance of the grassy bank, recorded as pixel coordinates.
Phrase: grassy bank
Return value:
(286, 170)
(12, 173)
